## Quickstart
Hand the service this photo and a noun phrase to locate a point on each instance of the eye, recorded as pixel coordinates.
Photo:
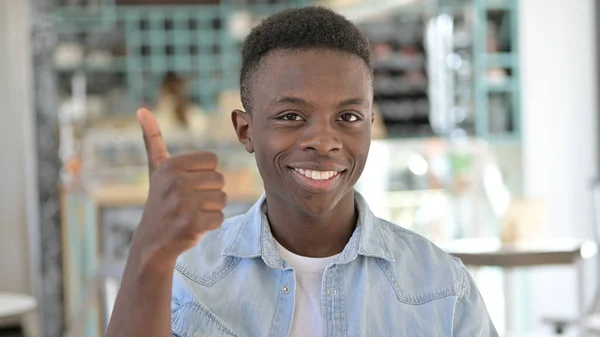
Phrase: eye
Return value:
(349, 117)
(292, 117)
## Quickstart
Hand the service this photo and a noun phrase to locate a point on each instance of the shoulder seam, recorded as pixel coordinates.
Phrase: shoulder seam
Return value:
(464, 276)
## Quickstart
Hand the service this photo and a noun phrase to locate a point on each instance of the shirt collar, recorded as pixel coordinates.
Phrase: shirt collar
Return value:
(253, 238)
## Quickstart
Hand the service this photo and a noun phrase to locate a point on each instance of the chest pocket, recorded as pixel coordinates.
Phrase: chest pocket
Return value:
(193, 320)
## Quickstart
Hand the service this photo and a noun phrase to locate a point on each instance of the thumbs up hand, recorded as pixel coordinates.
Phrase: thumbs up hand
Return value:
(185, 199)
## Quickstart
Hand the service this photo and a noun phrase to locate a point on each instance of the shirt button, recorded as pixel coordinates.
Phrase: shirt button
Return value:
(331, 291)
(285, 289)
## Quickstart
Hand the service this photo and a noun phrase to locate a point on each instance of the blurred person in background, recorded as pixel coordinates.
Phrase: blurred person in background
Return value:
(309, 258)
(174, 111)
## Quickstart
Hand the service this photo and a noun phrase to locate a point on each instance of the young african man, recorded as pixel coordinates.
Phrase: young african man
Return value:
(309, 258)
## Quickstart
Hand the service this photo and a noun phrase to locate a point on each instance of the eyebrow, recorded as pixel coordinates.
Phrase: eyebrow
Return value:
(300, 101)
(351, 101)
(292, 100)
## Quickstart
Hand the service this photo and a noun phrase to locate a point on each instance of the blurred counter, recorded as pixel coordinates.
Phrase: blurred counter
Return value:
(239, 188)
(119, 195)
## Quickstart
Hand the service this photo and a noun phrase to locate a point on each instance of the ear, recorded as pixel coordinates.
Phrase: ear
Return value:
(243, 128)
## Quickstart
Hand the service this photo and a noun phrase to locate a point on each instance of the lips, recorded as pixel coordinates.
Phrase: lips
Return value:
(317, 175)
(317, 181)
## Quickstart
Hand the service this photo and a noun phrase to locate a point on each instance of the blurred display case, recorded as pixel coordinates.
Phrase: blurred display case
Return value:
(400, 76)
(439, 189)
(473, 66)
(442, 68)
(125, 49)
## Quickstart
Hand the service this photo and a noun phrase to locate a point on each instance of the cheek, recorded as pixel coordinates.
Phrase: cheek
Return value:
(361, 148)
(273, 143)
(266, 153)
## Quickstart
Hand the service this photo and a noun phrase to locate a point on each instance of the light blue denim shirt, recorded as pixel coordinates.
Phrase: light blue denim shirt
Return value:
(387, 281)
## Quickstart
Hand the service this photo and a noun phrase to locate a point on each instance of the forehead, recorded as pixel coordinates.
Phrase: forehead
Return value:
(321, 76)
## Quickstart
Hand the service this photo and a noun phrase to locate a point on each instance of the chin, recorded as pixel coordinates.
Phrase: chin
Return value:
(315, 210)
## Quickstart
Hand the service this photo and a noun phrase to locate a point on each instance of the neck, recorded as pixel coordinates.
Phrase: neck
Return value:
(312, 235)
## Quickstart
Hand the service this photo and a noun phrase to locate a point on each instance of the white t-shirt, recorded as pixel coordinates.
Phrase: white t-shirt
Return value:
(308, 315)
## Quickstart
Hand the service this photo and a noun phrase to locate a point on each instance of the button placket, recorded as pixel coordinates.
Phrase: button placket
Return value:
(331, 291)
(282, 321)
(333, 297)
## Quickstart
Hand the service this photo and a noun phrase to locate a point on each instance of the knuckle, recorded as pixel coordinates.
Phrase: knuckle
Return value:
(175, 203)
(178, 183)
(172, 181)
(168, 165)
(210, 180)
(158, 159)
(158, 173)
(215, 220)
(213, 200)
(210, 157)
(219, 178)
(186, 219)
(222, 198)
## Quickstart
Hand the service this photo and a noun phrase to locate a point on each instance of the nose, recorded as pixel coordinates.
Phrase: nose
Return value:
(321, 138)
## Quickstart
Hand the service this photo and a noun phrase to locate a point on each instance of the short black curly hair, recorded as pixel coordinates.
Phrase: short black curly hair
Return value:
(311, 27)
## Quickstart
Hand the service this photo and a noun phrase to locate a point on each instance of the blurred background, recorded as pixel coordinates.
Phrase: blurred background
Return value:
(485, 142)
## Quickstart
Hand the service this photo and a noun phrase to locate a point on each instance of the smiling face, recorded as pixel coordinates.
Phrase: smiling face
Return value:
(310, 126)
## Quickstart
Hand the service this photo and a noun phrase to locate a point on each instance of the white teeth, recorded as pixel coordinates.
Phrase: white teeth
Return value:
(316, 175)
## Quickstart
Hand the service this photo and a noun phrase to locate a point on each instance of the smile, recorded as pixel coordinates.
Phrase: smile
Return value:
(317, 181)
(317, 175)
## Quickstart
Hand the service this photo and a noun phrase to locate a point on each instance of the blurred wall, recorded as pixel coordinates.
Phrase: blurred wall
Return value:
(560, 151)
(15, 142)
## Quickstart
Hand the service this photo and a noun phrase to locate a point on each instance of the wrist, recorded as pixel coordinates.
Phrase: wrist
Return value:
(148, 261)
